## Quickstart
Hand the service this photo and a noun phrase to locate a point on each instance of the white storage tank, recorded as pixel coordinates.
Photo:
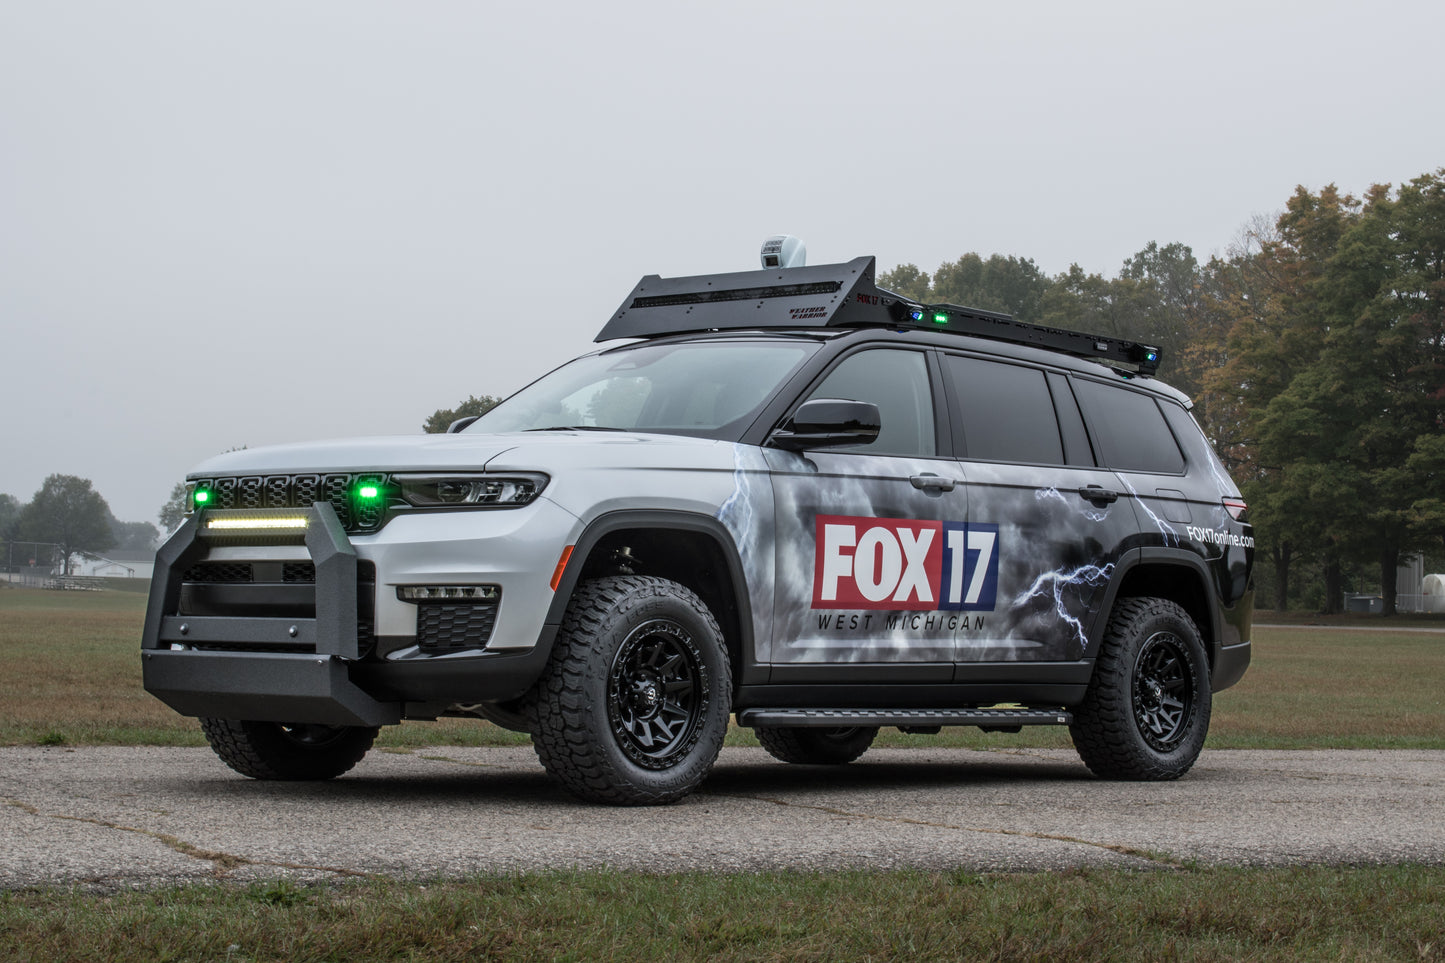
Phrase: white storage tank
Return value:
(1433, 588)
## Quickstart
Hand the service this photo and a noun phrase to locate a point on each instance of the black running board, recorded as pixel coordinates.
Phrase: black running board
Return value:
(832, 718)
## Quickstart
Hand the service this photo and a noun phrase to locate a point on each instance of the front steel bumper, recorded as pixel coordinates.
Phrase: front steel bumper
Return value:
(249, 668)
(277, 685)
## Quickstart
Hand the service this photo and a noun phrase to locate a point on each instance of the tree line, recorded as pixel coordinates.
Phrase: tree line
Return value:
(1315, 352)
(1314, 349)
(66, 516)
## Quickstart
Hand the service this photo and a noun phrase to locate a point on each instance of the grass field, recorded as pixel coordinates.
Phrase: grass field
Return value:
(70, 673)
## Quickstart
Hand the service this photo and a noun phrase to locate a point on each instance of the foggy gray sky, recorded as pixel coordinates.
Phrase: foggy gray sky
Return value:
(237, 224)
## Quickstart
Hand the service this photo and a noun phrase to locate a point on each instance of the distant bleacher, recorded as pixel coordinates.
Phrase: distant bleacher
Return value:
(82, 583)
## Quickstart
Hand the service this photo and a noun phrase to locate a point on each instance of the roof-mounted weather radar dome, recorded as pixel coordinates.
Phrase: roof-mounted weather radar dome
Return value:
(784, 251)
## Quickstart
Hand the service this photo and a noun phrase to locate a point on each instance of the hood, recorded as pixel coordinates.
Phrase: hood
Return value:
(464, 451)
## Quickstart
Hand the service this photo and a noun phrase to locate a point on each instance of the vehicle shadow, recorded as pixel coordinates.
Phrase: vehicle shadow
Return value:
(441, 782)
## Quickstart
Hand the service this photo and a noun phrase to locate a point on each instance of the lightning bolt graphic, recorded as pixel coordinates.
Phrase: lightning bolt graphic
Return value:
(737, 512)
(1051, 586)
(1072, 504)
(1171, 537)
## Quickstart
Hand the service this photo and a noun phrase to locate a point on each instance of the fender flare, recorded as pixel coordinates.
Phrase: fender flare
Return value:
(694, 522)
(1164, 556)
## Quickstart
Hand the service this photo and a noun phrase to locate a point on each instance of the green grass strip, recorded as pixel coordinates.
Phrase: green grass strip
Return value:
(1374, 913)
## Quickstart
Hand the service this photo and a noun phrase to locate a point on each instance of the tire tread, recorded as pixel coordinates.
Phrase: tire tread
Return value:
(565, 738)
(260, 750)
(1104, 731)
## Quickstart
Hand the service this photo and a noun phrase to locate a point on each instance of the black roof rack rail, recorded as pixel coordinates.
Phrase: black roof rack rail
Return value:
(836, 296)
(957, 319)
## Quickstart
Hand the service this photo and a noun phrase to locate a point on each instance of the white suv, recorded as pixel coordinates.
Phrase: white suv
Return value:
(789, 496)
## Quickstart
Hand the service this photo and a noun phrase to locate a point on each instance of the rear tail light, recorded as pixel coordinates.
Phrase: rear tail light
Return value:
(1236, 508)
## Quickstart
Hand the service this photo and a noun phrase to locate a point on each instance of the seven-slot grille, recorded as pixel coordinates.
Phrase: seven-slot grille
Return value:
(300, 491)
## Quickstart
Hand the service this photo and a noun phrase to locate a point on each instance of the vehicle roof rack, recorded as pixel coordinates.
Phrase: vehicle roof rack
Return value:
(837, 296)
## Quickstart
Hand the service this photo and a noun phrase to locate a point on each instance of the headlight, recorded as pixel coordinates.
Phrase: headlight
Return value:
(469, 491)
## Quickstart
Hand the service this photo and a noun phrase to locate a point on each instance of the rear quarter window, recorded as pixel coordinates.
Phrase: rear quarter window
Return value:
(1129, 429)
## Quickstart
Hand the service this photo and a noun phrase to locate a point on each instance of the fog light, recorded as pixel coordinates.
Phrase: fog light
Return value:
(447, 593)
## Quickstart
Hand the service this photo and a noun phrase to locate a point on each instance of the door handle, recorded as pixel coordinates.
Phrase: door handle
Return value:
(930, 482)
(1095, 493)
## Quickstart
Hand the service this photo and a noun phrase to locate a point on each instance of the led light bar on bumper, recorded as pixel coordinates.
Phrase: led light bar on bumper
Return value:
(462, 490)
(255, 523)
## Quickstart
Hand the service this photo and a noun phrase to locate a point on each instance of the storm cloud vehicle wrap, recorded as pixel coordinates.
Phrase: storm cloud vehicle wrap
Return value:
(996, 571)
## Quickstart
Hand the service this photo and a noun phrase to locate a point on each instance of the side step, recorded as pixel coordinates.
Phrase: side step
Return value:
(832, 718)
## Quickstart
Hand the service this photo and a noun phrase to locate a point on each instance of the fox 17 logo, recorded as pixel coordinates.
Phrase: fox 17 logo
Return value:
(891, 563)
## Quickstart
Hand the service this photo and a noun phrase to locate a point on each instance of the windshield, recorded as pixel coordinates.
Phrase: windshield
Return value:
(708, 388)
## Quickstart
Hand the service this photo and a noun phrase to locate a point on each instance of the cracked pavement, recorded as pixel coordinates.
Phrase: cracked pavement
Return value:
(120, 817)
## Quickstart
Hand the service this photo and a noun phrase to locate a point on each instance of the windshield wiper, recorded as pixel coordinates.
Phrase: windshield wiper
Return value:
(577, 428)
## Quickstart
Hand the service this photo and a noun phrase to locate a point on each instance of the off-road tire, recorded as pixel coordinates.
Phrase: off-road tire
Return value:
(633, 704)
(816, 747)
(1146, 711)
(275, 750)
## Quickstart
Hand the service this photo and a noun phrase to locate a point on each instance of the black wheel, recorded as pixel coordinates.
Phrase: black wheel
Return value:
(1146, 711)
(278, 750)
(634, 702)
(821, 747)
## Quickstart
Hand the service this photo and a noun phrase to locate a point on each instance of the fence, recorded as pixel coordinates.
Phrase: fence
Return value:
(45, 579)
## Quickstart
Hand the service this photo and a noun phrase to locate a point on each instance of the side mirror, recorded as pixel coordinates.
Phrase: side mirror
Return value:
(461, 423)
(829, 423)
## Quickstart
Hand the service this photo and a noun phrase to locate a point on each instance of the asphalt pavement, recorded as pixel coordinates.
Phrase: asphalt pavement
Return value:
(119, 817)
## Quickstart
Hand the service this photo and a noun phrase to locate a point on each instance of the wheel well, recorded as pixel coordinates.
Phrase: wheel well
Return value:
(690, 558)
(1180, 585)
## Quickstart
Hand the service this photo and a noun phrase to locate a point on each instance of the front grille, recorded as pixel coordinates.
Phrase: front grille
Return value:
(455, 626)
(300, 491)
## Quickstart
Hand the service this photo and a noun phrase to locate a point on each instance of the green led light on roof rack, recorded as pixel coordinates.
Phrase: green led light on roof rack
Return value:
(940, 318)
